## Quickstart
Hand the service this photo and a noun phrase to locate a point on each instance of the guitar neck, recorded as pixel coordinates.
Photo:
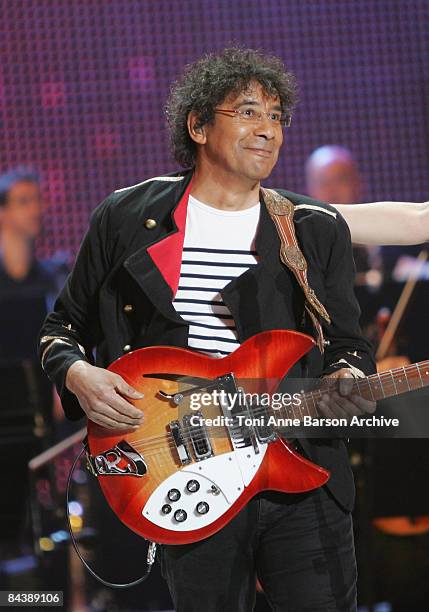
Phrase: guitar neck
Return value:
(377, 386)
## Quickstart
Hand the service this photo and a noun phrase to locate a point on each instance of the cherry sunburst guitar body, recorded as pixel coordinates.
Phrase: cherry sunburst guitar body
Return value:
(175, 483)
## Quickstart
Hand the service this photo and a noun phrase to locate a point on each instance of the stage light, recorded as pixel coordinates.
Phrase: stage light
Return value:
(75, 508)
(46, 544)
(76, 522)
(59, 536)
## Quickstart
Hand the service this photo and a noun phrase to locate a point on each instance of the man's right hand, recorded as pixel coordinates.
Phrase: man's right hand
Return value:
(102, 395)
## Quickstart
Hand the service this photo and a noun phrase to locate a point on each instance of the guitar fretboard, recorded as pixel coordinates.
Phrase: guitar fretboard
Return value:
(374, 387)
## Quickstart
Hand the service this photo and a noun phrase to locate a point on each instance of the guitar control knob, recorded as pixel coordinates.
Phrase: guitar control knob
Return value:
(166, 509)
(173, 494)
(180, 516)
(192, 486)
(202, 507)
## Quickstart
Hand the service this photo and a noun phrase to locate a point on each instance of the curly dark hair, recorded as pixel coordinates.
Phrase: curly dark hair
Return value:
(208, 81)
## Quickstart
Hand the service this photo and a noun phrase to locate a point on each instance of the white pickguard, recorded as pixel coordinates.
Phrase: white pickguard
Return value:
(230, 473)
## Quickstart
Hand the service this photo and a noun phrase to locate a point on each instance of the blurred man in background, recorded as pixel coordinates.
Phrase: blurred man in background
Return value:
(391, 520)
(27, 290)
(332, 175)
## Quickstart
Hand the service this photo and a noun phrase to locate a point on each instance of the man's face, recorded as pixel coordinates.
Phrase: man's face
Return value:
(22, 212)
(246, 150)
(337, 182)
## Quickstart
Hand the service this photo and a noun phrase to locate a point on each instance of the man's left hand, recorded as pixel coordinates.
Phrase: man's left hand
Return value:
(338, 401)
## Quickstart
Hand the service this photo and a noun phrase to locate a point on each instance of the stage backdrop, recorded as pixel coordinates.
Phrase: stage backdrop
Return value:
(83, 85)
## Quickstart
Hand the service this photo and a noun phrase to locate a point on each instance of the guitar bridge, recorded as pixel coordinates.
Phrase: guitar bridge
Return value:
(121, 460)
(240, 435)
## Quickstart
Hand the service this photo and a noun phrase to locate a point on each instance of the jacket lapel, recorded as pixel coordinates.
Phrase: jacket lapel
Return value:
(252, 296)
(267, 246)
(155, 266)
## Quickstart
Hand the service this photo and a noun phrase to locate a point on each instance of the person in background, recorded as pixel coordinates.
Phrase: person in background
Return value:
(27, 291)
(332, 175)
(387, 223)
(399, 535)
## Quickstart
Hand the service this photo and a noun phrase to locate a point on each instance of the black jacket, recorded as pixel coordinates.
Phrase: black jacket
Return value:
(117, 299)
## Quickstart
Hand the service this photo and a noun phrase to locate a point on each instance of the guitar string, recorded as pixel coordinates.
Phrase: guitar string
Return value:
(189, 435)
(314, 395)
(311, 396)
(260, 410)
(151, 442)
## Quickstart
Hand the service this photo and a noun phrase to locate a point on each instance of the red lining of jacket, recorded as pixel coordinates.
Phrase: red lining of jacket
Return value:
(167, 253)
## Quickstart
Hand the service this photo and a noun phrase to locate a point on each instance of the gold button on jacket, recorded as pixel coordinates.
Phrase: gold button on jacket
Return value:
(150, 223)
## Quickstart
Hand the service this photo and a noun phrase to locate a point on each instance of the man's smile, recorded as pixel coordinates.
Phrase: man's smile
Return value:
(260, 152)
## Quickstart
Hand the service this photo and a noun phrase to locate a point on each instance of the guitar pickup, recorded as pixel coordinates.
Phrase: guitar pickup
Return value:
(199, 436)
(181, 448)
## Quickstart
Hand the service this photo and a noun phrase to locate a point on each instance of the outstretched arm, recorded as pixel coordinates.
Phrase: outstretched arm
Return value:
(387, 222)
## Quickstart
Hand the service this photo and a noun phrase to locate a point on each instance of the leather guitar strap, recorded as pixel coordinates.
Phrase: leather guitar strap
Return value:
(281, 211)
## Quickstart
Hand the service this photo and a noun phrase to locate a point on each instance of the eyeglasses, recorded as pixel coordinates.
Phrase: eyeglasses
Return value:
(251, 115)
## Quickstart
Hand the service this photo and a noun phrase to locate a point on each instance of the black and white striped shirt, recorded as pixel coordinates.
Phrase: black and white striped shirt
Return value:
(218, 246)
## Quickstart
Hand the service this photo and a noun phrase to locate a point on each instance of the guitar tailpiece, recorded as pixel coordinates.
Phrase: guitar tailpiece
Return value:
(121, 460)
(151, 553)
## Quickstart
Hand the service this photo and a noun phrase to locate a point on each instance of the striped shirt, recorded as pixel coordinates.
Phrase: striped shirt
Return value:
(219, 246)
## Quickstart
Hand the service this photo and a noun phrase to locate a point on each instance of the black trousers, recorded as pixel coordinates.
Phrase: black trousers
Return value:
(300, 547)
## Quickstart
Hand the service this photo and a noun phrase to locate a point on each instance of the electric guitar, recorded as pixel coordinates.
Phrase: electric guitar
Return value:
(188, 470)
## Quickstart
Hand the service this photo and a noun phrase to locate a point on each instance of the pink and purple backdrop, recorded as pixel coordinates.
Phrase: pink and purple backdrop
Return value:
(83, 85)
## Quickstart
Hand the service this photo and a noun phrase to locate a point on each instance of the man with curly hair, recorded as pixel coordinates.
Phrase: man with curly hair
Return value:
(192, 260)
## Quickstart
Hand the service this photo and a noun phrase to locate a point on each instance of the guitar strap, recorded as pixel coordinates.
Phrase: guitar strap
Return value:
(281, 211)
